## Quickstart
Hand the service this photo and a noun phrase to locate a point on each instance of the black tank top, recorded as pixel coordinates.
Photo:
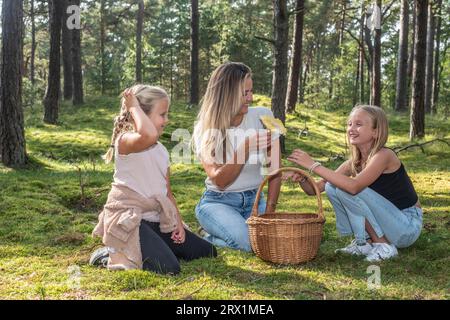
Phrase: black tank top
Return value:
(397, 188)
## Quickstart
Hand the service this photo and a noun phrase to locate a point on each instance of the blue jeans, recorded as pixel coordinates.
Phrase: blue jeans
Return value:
(400, 227)
(223, 216)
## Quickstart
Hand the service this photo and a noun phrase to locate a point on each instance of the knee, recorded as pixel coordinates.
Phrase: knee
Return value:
(330, 190)
(343, 195)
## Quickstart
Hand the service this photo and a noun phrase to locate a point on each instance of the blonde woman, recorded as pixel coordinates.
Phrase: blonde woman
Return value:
(140, 224)
(227, 137)
(371, 193)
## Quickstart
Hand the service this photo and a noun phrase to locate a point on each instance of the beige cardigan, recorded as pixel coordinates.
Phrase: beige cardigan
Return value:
(118, 224)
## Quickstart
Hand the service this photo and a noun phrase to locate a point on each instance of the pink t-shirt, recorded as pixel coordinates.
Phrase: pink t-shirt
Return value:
(144, 172)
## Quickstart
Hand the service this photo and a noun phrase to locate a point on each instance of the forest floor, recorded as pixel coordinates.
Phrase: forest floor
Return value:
(49, 208)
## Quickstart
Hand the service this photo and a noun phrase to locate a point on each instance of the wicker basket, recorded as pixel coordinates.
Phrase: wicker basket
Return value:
(286, 238)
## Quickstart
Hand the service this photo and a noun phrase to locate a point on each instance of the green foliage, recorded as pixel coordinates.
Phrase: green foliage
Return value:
(45, 223)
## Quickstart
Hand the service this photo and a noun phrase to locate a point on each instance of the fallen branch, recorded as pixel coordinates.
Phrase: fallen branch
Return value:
(420, 145)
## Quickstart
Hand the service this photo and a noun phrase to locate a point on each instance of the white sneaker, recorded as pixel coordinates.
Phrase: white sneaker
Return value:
(355, 249)
(382, 251)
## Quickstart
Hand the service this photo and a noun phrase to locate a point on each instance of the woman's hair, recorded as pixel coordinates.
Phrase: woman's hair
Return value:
(221, 103)
(380, 123)
(147, 96)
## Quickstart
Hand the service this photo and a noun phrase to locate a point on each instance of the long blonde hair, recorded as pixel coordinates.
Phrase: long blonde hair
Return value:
(380, 123)
(147, 96)
(220, 104)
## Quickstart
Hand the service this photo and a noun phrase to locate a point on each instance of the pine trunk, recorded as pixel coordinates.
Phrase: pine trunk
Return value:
(436, 62)
(139, 26)
(77, 68)
(66, 45)
(194, 91)
(296, 66)
(376, 71)
(33, 43)
(417, 126)
(429, 59)
(401, 102)
(52, 95)
(12, 135)
(280, 65)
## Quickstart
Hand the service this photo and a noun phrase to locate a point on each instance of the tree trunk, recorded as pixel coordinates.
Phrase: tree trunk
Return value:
(417, 127)
(33, 43)
(429, 59)
(66, 45)
(139, 26)
(12, 135)
(361, 54)
(194, 94)
(436, 62)
(376, 64)
(102, 47)
(296, 67)
(280, 65)
(51, 100)
(411, 48)
(76, 62)
(401, 96)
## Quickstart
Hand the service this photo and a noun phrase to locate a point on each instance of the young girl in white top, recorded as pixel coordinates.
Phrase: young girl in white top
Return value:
(142, 165)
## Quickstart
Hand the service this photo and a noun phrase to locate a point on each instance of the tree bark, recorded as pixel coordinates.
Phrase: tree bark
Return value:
(66, 45)
(12, 135)
(376, 64)
(417, 126)
(401, 96)
(436, 62)
(78, 96)
(296, 67)
(33, 43)
(102, 47)
(194, 91)
(52, 95)
(429, 59)
(280, 64)
(139, 26)
(361, 54)
(411, 48)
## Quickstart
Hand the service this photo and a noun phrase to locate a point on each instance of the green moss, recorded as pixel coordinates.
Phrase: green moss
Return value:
(46, 221)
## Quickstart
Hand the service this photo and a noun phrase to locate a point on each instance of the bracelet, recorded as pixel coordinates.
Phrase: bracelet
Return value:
(314, 165)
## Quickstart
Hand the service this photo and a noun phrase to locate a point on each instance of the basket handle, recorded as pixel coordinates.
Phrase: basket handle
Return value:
(304, 174)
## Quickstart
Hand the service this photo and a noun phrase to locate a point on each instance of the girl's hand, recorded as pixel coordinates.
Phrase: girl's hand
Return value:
(301, 158)
(130, 100)
(179, 234)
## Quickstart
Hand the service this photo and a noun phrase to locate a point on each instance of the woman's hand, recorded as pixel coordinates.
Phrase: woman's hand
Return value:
(259, 141)
(179, 234)
(130, 100)
(294, 176)
(301, 158)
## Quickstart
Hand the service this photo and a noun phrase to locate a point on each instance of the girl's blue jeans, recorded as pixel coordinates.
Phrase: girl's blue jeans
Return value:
(400, 227)
(223, 216)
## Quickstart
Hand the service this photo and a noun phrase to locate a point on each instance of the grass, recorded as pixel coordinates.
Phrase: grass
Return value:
(46, 219)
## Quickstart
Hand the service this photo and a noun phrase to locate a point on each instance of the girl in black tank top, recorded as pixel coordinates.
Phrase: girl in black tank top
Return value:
(378, 208)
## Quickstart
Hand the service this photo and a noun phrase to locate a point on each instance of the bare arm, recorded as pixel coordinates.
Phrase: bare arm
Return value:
(145, 135)
(178, 235)
(366, 177)
(222, 175)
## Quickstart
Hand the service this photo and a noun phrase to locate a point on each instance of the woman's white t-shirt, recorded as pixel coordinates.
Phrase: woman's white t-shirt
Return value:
(250, 176)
